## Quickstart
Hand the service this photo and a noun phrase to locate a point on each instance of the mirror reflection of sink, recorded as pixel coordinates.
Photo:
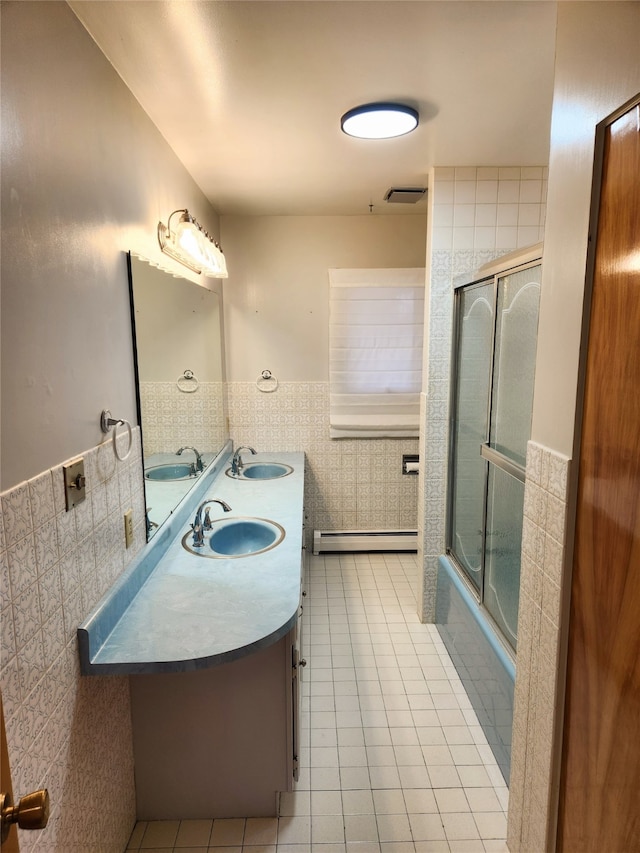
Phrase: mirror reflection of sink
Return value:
(237, 537)
(261, 471)
(171, 471)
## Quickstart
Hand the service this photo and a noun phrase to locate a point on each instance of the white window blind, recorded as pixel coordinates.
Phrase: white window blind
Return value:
(375, 352)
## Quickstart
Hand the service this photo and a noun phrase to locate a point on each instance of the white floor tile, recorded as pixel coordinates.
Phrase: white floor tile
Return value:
(451, 800)
(296, 803)
(440, 846)
(393, 758)
(397, 847)
(358, 802)
(226, 832)
(294, 830)
(261, 831)
(360, 828)
(355, 778)
(426, 827)
(327, 829)
(459, 826)
(160, 833)
(393, 827)
(491, 825)
(389, 801)
(326, 803)
(193, 833)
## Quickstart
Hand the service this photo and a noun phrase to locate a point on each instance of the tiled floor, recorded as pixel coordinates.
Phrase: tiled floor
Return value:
(393, 759)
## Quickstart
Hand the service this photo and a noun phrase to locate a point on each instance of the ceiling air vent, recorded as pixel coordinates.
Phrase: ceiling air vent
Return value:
(404, 195)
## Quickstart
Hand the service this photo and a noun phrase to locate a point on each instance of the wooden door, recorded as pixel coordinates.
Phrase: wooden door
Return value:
(600, 773)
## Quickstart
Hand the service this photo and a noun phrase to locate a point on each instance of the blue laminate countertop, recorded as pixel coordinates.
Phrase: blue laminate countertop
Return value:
(177, 612)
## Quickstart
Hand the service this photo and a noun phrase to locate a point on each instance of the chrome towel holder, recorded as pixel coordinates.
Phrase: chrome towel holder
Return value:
(108, 423)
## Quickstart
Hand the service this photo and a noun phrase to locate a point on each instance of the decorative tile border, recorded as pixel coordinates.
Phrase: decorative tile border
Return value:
(67, 733)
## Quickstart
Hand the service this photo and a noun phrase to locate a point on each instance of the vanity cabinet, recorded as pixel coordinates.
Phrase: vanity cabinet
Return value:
(211, 647)
(217, 742)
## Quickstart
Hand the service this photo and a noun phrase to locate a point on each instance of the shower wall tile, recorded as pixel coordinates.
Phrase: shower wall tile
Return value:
(544, 535)
(478, 214)
(349, 483)
(68, 733)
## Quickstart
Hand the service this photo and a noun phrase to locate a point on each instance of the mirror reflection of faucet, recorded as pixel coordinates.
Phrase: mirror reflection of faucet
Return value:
(198, 465)
(199, 525)
(149, 524)
(236, 462)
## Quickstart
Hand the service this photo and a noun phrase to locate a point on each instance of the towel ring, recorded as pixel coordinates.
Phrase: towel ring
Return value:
(108, 423)
(267, 382)
(188, 382)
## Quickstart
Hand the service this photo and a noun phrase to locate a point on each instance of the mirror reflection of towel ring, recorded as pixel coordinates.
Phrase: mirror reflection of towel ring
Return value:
(108, 423)
(188, 382)
(267, 382)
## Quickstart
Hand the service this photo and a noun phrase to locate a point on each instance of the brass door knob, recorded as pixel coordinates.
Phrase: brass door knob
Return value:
(32, 811)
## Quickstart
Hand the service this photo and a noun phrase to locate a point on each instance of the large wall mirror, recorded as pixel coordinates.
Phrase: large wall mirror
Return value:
(177, 331)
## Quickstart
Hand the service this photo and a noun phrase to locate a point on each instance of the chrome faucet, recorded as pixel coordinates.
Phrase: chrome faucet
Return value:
(199, 466)
(236, 462)
(199, 526)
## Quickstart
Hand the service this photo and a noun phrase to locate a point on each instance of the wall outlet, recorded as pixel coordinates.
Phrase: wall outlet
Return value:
(128, 527)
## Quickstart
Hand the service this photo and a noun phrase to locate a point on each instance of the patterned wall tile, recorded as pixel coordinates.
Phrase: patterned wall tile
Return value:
(544, 532)
(70, 734)
(173, 419)
(481, 199)
(479, 234)
(350, 484)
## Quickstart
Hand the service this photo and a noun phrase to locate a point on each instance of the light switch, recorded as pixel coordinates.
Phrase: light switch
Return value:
(74, 483)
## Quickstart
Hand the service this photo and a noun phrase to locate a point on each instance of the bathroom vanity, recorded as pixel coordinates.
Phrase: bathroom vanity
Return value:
(211, 644)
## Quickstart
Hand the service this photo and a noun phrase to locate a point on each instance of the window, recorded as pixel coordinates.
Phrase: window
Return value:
(494, 363)
(375, 352)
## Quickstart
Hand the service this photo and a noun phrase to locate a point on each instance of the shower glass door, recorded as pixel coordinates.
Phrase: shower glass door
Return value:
(475, 337)
(493, 375)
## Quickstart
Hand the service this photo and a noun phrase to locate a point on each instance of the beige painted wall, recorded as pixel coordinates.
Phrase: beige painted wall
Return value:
(276, 299)
(597, 70)
(85, 177)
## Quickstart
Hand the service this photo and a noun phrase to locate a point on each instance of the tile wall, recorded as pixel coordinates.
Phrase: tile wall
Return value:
(543, 538)
(68, 733)
(477, 214)
(173, 417)
(350, 483)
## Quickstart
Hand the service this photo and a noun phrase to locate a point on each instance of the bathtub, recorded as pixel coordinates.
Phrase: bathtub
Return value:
(481, 659)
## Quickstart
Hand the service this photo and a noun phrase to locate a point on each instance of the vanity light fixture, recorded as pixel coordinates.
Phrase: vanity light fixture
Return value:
(379, 121)
(189, 244)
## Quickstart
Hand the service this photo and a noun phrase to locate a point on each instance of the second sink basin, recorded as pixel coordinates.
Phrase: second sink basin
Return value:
(237, 537)
(261, 471)
(171, 471)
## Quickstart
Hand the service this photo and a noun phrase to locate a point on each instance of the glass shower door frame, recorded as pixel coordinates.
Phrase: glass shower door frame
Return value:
(489, 454)
(455, 374)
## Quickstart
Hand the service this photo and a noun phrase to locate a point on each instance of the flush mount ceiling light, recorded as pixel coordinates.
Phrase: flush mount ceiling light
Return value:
(379, 121)
(191, 245)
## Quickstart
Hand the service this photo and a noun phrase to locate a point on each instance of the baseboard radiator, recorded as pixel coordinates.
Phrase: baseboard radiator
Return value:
(327, 541)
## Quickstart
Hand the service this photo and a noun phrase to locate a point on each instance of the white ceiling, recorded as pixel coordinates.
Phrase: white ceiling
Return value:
(249, 93)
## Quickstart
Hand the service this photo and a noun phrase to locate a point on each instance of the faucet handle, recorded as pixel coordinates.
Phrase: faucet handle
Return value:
(206, 525)
(198, 535)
